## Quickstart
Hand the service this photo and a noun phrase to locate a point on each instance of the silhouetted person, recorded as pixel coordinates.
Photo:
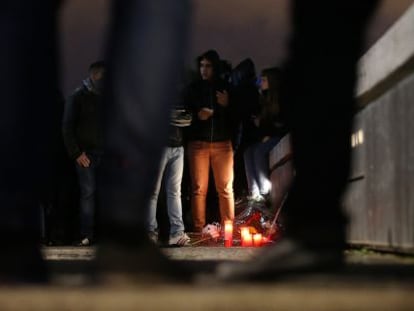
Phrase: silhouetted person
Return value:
(145, 51)
(61, 201)
(28, 109)
(245, 97)
(83, 135)
(318, 101)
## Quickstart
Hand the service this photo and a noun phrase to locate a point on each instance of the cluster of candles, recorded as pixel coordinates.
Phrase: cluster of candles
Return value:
(247, 239)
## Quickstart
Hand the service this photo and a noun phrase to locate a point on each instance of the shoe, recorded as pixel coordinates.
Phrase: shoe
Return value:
(212, 230)
(85, 242)
(239, 201)
(257, 198)
(153, 236)
(181, 239)
(285, 258)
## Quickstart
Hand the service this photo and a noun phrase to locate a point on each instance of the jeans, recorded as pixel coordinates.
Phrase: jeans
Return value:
(220, 156)
(171, 168)
(256, 163)
(87, 185)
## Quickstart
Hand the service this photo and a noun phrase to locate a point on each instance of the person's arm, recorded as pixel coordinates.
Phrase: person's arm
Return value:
(192, 100)
(223, 98)
(70, 118)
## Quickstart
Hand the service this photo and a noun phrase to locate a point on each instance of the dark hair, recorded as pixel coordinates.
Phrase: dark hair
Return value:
(213, 57)
(97, 65)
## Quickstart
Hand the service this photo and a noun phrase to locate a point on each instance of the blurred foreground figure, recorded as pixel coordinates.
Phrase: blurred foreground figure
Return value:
(29, 112)
(146, 49)
(317, 100)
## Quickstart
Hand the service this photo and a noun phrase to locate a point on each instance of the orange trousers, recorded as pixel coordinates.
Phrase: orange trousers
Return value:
(220, 156)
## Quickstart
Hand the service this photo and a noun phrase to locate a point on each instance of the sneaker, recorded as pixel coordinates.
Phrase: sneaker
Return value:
(285, 258)
(85, 242)
(256, 198)
(181, 239)
(212, 230)
(153, 236)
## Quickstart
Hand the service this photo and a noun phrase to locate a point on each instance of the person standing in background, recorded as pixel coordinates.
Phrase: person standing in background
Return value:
(171, 170)
(210, 140)
(83, 137)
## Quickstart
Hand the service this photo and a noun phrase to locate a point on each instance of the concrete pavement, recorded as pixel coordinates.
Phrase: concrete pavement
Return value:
(371, 281)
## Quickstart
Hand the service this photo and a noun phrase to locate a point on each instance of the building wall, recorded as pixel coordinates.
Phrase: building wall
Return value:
(380, 197)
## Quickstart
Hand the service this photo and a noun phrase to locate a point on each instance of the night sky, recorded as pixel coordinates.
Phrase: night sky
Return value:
(235, 28)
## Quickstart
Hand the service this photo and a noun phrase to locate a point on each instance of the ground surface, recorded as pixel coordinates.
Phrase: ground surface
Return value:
(372, 281)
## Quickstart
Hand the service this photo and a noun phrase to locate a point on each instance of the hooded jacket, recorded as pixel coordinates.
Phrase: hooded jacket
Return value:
(219, 127)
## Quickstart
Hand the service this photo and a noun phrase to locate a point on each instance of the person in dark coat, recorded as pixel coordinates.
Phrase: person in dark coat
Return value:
(245, 97)
(83, 136)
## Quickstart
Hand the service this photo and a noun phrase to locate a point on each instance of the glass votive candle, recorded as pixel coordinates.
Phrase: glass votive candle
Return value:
(257, 239)
(247, 240)
(244, 231)
(228, 233)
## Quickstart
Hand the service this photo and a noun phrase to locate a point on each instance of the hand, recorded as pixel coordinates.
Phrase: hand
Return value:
(265, 139)
(205, 113)
(256, 121)
(83, 160)
(222, 98)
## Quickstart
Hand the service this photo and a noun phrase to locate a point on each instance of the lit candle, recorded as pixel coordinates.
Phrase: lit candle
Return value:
(244, 231)
(228, 233)
(248, 240)
(257, 239)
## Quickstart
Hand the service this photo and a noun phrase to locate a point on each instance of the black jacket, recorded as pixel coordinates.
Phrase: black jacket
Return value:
(82, 126)
(180, 119)
(246, 105)
(202, 94)
(271, 123)
(175, 137)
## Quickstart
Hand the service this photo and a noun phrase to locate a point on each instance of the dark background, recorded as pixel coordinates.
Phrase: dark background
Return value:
(236, 28)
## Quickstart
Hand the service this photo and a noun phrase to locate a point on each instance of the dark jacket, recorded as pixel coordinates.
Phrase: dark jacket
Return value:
(82, 126)
(271, 123)
(175, 137)
(246, 105)
(180, 119)
(202, 94)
